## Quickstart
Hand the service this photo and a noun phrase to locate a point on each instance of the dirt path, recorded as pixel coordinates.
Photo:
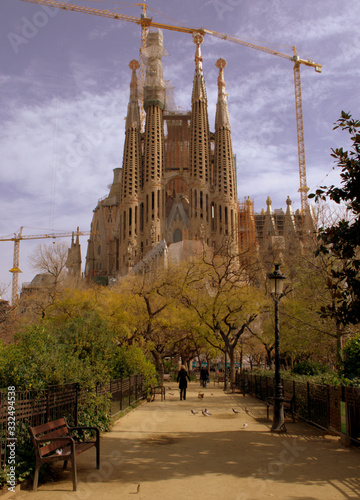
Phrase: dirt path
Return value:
(174, 454)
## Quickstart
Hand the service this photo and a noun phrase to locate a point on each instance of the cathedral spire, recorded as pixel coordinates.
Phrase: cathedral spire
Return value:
(131, 158)
(133, 115)
(224, 166)
(199, 91)
(222, 113)
(153, 204)
(200, 152)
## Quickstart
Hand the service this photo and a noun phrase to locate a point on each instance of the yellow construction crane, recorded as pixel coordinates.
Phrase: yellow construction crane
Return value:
(147, 22)
(15, 270)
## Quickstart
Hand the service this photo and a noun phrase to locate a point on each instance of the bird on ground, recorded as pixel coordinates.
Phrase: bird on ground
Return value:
(194, 412)
(235, 411)
(245, 425)
(247, 410)
(200, 395)
(171, 393)
(207, 413)
(138, 488)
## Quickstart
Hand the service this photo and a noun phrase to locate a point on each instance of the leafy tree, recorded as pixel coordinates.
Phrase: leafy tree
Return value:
(340, 242)
(154, 317)
(81, 350)
(218, 290)
(351, 358)
(131, 360)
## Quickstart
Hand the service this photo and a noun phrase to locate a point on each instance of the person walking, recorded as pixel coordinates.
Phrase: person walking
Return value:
(204, 376)
(182, 379)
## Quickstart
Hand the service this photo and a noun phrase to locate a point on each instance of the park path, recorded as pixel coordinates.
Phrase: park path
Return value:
(162, 451)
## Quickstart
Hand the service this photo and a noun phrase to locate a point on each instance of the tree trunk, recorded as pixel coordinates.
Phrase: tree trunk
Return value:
(232, 369)
(159, 365)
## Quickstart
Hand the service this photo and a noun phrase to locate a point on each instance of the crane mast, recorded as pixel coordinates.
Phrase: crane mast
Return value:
(15, 270)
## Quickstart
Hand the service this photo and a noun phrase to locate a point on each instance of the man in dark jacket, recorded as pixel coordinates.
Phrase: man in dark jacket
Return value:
(204, 376)
(181, 378)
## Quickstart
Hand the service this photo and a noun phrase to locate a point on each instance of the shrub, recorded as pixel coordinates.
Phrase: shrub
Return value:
(95, 411)
(351, 358)
(308, 367)
(131, 360)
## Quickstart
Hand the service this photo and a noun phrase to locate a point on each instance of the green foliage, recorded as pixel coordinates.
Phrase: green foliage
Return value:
(25, 459)
(328, 378)
(131, 360)
(89, 348)
(308, 367)
(351, 358)
(31, 363)
(341, 241)
(95, 411)
(80, 350)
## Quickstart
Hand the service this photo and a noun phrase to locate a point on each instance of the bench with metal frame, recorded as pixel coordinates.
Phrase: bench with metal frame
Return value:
(289, 404)
(157, 389)
(54, 441)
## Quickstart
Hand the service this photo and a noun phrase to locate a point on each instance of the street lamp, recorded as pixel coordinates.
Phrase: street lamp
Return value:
(225, 369)
(276, 289)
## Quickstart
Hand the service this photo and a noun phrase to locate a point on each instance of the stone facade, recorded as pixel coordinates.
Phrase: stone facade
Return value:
(178, 180)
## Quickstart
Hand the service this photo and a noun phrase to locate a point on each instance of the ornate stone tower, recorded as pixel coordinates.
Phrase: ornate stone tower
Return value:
(152, 205)
(224, 205)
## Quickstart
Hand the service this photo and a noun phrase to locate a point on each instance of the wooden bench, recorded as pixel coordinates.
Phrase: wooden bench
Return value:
(54, 441)
(157, 389)
(219, 379)
(289, 402)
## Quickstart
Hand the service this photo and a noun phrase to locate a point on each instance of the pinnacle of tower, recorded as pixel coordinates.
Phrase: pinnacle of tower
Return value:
(198, 40)
(288, 205)
(154, 86)
(222, 119)
(199, 91)
(133, 114)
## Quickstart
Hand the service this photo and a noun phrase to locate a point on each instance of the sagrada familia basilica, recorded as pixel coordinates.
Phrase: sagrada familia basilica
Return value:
(176, 189)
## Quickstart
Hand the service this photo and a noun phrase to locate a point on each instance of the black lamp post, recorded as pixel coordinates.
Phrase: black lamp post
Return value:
(225, 369)
(276, 289)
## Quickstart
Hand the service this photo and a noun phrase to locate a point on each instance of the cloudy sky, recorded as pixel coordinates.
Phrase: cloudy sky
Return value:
(64, 87)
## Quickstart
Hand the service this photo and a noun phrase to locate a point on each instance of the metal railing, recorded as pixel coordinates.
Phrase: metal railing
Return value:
(20, 409)
(336, 409)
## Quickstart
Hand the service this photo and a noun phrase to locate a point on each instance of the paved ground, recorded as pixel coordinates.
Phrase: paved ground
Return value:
(173, 454)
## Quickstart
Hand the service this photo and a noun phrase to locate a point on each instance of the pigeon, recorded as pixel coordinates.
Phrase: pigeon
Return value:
(194, 412)
(247, 411)
(235, 411)
(171, 393)
(245, 425)
(206, 412)
(200, 395)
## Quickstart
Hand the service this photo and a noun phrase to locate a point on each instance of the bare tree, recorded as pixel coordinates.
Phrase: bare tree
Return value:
(50, 260)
